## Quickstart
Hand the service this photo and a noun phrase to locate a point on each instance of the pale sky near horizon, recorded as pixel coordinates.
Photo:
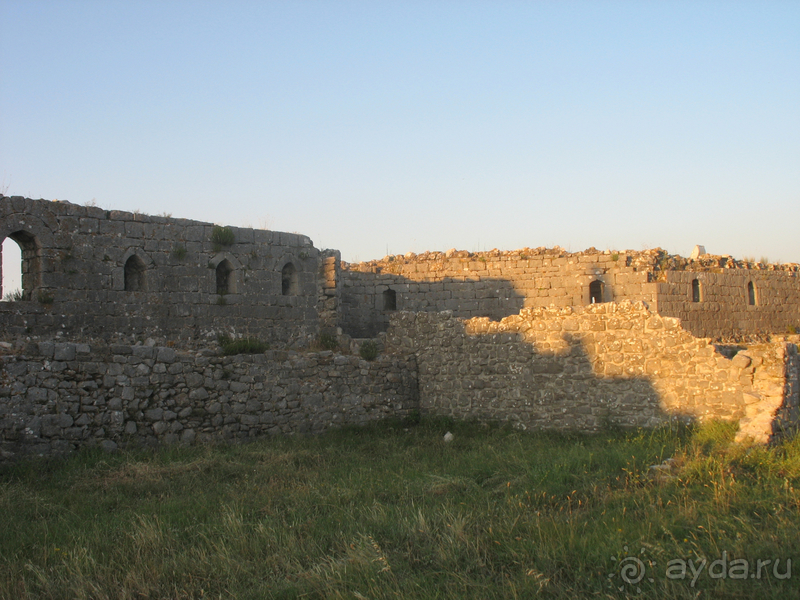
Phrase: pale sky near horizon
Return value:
(377, 127)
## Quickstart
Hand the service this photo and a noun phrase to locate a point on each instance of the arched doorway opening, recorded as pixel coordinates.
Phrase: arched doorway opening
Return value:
(596, 292)
(21, 266)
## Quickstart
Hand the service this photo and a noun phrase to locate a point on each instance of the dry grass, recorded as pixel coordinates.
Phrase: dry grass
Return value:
(391, 511)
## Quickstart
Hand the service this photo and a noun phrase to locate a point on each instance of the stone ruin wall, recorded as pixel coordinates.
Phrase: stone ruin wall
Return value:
(497, 284)
(724, 309)
(75, 277)
(589, 367)
(534, 349)
(488, 284)
(58, 397)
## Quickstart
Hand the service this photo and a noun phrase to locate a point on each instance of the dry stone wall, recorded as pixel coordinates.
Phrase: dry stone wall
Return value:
(113, 274)
(56, 397)
(587, 367)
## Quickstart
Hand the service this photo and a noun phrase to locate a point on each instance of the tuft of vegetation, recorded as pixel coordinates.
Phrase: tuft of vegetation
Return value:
(179, 251)
(368, 350)
(222, 237)
(328, 341)
(615, 256)
(45, 297)
(792, 329)
(15, 296)
(231, 346)
(391, 511)
(764, 260)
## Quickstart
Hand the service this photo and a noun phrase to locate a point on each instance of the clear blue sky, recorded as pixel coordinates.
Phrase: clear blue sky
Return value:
(413, 126)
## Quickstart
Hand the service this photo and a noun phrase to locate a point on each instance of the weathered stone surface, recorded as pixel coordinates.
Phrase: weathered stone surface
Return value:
(122, 410)
(499, 284)
(554, 341)
(618, 364)
(80, 269)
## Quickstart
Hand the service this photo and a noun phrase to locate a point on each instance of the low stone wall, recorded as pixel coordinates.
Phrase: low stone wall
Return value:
(588, 367)
(56, 397)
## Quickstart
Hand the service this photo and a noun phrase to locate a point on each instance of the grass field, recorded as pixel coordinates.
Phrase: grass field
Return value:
(391, 511)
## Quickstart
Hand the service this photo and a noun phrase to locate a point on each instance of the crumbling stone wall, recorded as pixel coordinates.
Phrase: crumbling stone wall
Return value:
(56, 397)
(587, 367)
(551, 339)
(491, 284)
(114, 274)
(496, 284)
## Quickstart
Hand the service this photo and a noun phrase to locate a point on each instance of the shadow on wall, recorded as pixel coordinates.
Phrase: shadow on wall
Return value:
(367, 303)
(590, 367)
(500, 376)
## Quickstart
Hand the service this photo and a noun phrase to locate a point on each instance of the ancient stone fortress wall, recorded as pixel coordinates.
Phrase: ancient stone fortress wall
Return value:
(56, 397)
(93, 272)
(589, 367)
(543, 338)
(732, 302)
(716, 296)
(490, 284)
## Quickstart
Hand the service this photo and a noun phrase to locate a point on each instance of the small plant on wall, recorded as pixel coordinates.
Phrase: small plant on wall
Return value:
(231, 346)
(368, 350)
(15, 296)
(328, 341)
(221, 237)
(179, 251)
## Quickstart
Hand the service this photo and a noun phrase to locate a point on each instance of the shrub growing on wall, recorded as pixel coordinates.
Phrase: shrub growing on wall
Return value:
(222, 236)
(368, 350)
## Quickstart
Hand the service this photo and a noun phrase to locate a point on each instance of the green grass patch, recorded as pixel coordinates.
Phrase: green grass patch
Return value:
(391, 511)
(222, 237)
(231, 346)
(368, 350)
